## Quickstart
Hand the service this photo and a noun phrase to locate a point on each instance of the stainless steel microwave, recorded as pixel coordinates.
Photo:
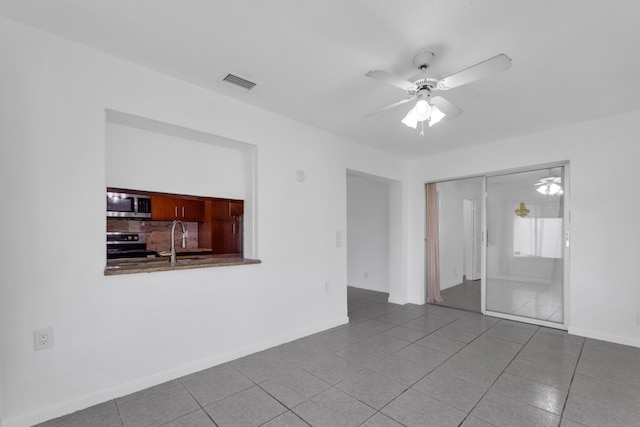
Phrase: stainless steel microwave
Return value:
(123, 205)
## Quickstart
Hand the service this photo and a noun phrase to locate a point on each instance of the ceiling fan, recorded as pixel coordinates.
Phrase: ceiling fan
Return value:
(420, 87)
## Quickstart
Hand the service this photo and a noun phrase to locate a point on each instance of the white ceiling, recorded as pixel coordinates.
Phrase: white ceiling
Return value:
(573, 60)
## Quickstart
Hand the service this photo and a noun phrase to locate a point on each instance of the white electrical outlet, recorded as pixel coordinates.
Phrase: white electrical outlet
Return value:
(43, 338)
(338, 239)
(327, 286)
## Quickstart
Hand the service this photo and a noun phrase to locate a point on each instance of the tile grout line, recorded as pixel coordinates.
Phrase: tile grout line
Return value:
(333, 386)
(288, 409)
(571, 382)
(425, 375)
(408, 344)
(115, 402)
(393, 353)
(179, 380)
(231, 395)
(498, 377)
(198, 402)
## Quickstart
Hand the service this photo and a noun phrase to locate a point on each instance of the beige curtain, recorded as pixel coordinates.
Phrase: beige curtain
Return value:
(433, 246)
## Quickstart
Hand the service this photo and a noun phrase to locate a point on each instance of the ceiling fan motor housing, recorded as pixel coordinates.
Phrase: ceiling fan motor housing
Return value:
(423, 60)
(429, 83)
(424, 79)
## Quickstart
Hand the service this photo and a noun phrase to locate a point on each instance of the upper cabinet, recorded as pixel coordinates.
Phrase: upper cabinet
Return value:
(172, 208)
(229, 210)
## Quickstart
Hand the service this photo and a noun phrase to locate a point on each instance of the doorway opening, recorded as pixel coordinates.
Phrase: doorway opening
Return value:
(375, 235)
(368, 202)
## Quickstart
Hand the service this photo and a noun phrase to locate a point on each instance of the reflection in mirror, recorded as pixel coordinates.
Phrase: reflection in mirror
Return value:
(459, 204)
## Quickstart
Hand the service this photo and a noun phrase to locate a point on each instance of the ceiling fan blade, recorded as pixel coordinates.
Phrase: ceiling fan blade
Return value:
(391, 79)
(388, 107)
(446, 107)
(476, 72)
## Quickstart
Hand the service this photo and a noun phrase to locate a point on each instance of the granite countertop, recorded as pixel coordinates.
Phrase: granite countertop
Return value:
(183, 262)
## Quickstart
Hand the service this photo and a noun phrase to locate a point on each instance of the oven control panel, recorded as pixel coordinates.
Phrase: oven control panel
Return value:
(125, 238)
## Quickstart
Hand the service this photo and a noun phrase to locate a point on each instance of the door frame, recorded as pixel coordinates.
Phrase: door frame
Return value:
(472, 243)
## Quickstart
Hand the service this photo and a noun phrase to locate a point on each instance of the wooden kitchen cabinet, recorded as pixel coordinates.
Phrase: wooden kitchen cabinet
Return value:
(236, 208)
(227, 237)
(229, 210)
(223, 220)
(192, 210)
(171, 208)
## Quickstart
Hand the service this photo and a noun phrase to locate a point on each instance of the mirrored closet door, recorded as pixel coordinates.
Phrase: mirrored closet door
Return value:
(525, 244)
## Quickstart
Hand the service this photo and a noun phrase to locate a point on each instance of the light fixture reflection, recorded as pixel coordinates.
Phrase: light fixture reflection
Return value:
(550, 186)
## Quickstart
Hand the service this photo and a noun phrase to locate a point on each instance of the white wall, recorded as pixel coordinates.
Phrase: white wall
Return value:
(603, 157)
(153, 161)
(118, 334)
(367, 233)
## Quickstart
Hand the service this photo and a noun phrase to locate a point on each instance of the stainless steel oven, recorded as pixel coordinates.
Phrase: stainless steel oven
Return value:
(127, 245)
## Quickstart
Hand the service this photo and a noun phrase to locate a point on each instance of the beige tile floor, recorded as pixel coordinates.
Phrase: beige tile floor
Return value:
(399, 366)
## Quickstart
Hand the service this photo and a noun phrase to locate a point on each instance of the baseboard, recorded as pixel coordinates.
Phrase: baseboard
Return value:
(70, 406)
(402, 301)
(369, 286)
(604, 337)
(449, 285)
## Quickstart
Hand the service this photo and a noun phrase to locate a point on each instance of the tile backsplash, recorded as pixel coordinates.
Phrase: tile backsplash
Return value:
(158, 232)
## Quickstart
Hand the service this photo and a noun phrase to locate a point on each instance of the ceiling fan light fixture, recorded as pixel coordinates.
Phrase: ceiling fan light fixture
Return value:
(410, 120)
(435, 116)
(422, 110)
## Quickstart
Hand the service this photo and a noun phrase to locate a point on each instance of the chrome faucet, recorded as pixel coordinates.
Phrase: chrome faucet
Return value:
(173, 239)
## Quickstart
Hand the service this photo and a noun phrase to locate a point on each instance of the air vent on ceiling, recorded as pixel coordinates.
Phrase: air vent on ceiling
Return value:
(239, 81)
